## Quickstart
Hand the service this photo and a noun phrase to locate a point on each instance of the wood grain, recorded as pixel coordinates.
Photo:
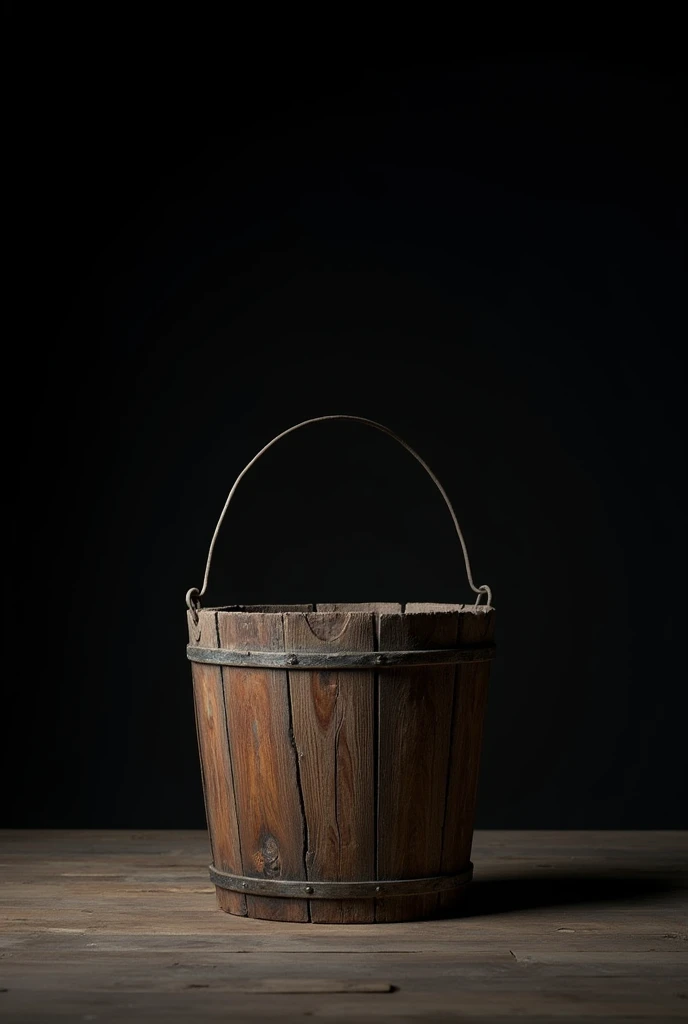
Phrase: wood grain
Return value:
(123, 926)
(264, 608)
(425, 607)
(362, 606)
(346, 774)
(470, 699)
(267, 786)
(216, 765)
(414, 722)
(333, 720)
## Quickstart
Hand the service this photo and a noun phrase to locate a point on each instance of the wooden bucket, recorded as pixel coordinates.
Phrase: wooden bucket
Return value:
(340, 746)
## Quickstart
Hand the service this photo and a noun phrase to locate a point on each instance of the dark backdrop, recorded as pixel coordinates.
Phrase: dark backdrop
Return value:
(485, 257)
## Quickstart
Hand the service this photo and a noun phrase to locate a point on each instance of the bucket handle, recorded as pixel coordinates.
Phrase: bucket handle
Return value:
(193, 596)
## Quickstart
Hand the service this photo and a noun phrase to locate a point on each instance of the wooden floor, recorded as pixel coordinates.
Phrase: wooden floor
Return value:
(123, 926)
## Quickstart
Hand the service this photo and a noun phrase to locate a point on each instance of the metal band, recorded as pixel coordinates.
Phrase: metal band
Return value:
(339, 890)
(304, 660)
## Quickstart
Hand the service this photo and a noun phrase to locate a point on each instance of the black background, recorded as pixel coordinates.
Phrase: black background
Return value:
(485, 257)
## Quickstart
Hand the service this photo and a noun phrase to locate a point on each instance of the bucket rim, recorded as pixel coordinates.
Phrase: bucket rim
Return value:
(352, 607)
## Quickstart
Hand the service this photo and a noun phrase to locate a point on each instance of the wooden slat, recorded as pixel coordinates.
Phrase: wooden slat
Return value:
(271, 823)
(333, 720)
(470, 699)
(216, 766)
(493, 986)
(265, 608)
(496, 1007)
(90, 916)
(415, 713)
(423, 607)
(167, 972)
(224, 938)
(365, 606)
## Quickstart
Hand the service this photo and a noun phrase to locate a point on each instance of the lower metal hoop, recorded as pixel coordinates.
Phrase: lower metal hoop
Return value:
(339, 890)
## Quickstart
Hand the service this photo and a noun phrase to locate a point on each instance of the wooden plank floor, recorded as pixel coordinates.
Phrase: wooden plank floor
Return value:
(123, 926)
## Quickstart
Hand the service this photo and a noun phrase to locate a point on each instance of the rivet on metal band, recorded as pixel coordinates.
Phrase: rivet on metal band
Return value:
(339, 890)
(303, 661)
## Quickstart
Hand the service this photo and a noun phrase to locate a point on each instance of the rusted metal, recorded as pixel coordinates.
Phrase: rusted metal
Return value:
(378, 889)
(306, 661)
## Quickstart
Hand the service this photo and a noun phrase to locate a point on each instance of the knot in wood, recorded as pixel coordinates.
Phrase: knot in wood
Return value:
(269, 857)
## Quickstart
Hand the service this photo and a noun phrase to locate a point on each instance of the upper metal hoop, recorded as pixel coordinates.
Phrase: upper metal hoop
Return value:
(304, 661)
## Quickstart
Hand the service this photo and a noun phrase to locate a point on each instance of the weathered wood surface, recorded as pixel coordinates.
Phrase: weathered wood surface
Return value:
(468, 711)
(123, 926)
(333, 721)
(340, 775)
(415, 719)
(364, 606)
(272, 830)
(216, 765)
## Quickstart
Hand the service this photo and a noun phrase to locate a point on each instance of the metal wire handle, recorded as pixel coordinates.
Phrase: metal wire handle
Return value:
(193, 596)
